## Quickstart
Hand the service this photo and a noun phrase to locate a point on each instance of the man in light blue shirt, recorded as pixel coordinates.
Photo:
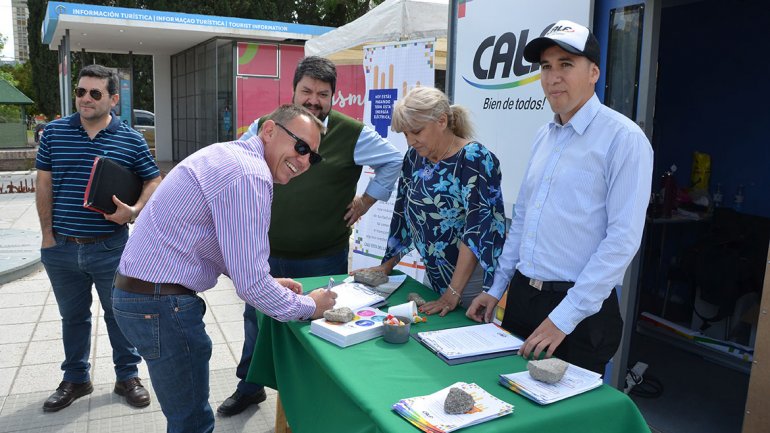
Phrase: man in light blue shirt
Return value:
(579, 215)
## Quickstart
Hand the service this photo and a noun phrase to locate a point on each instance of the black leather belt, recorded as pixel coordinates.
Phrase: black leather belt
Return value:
(83, 241)
(544, 286)
(133, 285)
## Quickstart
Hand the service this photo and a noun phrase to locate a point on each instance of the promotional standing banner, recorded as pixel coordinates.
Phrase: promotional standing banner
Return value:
(391, 70)
(500, 88)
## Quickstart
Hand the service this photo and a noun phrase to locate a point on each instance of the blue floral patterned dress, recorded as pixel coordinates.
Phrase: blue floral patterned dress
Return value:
(440, 205)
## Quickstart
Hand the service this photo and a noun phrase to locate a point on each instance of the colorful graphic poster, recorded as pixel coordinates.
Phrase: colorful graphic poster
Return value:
(391, 70)
(123, 109)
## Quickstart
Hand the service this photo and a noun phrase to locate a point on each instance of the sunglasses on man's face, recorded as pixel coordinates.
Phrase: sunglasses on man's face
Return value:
(96, 94)
(302, 147)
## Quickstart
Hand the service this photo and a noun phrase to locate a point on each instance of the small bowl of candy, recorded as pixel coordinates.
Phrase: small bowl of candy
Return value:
(396, 329)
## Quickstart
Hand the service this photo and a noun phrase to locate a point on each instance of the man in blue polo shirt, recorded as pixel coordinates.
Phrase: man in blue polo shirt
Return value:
(82, 247)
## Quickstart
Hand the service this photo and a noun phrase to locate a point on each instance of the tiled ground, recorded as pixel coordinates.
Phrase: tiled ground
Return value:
(31, 352)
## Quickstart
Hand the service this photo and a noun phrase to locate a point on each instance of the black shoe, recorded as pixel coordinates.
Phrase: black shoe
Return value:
(238, 402)
(65, 394)
(136, 395)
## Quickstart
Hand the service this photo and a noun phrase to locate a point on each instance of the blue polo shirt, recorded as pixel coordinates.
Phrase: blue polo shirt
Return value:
(68, 153)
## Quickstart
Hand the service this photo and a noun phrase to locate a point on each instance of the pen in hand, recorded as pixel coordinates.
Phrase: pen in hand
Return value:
(330, 285)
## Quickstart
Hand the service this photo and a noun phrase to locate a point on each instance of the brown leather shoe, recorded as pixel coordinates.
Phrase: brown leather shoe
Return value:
(136, 395)
(65, 394)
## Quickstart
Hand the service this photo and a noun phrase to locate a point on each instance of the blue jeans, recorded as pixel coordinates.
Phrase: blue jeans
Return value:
(73, 269)
(169, 332)
(282, 268)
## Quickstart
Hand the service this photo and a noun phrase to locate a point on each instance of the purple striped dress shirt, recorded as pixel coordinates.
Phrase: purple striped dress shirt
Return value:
(208, 217)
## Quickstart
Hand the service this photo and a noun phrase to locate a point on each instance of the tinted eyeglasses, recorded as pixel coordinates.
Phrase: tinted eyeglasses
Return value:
(302, 147)
(96, 94)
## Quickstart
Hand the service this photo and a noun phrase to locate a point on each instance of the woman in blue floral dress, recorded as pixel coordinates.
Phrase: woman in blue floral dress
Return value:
(449, 204)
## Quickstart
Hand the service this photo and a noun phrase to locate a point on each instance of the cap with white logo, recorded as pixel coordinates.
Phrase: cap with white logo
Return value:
(570, 36)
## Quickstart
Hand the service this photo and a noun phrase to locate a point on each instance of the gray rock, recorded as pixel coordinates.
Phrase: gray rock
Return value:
(416, 298)
(341, 315)
(549, 370)
(371, 278)
(458, 401)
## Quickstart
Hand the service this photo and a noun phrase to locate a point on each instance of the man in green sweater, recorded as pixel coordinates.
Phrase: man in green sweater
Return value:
(312, 216)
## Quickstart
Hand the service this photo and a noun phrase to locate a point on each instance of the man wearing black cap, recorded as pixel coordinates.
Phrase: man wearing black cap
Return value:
(579, 214)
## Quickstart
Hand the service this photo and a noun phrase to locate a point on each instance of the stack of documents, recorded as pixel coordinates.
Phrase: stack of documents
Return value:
(366, 324)
(576, 381)
(356, 295)
(385, 289)
(427, 412)
(470, 343)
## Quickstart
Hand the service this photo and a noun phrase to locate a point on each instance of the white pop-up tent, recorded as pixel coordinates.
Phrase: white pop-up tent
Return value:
(391, 21)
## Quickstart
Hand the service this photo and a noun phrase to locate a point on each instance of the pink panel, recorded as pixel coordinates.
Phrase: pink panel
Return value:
(351, 89)
(257, 59)
(256, 97)
(290, 57)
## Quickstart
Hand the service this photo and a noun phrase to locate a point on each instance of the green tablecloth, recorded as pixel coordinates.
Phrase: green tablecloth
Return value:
(325, 388)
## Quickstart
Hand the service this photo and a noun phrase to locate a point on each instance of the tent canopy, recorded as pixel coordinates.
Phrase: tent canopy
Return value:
(391, 21)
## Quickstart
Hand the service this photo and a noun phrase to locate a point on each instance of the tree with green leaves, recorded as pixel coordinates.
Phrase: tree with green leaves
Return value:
(5, 75)
(45, 63)
(20, 75)
(332, 13)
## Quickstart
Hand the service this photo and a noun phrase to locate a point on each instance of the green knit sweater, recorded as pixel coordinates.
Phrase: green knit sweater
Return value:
(307, 218)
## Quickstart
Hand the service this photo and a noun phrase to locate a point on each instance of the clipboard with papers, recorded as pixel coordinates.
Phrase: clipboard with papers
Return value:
(470, 343)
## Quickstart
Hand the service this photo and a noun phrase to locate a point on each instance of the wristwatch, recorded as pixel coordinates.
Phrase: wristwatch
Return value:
(133, 215)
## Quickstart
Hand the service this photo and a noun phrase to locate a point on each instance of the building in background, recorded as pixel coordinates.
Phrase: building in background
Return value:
(20, 39)
(212, 75)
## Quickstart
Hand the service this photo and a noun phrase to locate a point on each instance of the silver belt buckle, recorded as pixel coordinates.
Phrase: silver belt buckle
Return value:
(536, 283)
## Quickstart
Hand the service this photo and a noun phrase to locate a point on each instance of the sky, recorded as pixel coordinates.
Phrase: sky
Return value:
(6, 28)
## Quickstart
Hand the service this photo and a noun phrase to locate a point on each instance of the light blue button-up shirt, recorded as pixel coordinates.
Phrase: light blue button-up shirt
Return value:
(372, 150)
(580, 210)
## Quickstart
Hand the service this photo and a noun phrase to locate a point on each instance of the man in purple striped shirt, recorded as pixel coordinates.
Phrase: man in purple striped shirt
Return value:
(210, 216)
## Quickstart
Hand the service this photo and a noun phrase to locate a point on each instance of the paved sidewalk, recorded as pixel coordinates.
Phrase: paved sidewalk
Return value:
(31, 351)
(19, 228)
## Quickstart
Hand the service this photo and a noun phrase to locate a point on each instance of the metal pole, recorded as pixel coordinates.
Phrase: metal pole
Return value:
(451, 50)
(61, 76)
(66, 73)
(131, 83)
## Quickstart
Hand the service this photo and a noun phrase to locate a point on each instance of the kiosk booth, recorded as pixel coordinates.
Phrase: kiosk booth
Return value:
(212, 75)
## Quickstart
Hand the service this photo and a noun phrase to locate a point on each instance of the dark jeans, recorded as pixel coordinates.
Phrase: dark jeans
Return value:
(593, 342)
(282, 268)
(169, 333)
(73, 269)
